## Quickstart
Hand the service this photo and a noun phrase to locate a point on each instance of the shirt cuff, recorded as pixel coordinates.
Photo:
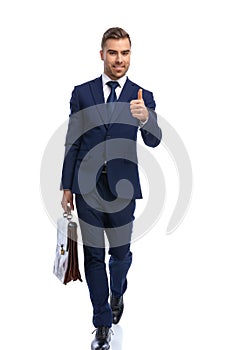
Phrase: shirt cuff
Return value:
(141, 124)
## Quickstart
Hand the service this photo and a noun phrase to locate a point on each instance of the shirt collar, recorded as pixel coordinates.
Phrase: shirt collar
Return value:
(121, 81)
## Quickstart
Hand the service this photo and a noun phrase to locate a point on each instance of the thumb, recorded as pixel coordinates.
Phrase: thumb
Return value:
(140, 94)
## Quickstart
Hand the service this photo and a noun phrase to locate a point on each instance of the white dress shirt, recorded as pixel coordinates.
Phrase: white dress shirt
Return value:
(107, 89)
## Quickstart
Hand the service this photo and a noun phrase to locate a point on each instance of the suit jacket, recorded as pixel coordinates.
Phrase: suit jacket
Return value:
(97, 134)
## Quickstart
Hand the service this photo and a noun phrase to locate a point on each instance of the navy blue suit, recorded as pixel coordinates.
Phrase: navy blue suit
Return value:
(96, 137)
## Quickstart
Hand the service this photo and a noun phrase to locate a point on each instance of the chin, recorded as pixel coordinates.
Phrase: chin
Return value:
(118, 75)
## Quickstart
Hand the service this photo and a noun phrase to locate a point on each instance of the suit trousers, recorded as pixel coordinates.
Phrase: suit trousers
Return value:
(103, 228)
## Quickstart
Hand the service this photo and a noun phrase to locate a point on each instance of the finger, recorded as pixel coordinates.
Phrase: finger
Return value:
(64, 203)
(140, 94)
(64, 206)
(70, 201)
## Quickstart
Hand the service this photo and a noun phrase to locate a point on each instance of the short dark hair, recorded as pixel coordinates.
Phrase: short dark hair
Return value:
(114, 33)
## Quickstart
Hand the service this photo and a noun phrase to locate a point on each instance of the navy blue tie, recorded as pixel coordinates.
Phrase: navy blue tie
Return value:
(113, 85)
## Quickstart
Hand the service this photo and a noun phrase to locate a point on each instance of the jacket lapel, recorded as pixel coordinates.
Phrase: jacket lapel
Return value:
(97, 90)
(96, 87)
(128, 92)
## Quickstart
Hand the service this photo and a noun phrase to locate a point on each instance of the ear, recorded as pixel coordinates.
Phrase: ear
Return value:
(102, 55)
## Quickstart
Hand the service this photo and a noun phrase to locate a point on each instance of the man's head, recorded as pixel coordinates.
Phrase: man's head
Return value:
(115, 52)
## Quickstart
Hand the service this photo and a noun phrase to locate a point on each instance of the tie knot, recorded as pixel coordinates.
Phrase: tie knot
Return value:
(113, 84)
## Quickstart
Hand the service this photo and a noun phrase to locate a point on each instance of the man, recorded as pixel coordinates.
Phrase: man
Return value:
(100, 168)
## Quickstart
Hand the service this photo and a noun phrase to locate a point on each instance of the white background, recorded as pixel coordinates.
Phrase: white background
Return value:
(180, 286)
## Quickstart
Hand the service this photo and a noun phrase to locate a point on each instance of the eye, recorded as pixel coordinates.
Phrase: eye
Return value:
(125, 53)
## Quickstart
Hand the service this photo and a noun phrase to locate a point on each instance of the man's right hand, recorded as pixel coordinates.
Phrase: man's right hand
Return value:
(67, 199)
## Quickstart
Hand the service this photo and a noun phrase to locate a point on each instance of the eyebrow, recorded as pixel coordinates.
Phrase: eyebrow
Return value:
(125, 51)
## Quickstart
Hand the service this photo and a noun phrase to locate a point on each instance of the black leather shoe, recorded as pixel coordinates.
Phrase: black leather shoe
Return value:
(102, 339)
(117, 306)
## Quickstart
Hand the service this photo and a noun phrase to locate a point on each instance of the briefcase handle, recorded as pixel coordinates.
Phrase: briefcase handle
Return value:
(67, 214)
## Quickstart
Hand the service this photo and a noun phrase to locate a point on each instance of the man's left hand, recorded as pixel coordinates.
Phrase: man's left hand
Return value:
(138, 108)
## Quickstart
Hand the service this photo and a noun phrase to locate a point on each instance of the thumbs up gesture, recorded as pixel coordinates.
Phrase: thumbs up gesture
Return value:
(138, 108)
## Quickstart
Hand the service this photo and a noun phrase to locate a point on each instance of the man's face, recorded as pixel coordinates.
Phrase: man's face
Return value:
(116, 57)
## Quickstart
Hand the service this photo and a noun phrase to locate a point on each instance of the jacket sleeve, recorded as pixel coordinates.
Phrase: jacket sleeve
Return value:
(151, 132)
(72, 142)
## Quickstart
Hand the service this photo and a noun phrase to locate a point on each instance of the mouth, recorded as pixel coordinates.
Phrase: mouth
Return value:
(118, 67)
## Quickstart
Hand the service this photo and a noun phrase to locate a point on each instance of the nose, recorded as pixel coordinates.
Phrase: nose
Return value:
(119, 58)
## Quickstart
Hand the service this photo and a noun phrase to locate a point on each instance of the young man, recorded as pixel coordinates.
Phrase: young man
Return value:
(100, 168)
